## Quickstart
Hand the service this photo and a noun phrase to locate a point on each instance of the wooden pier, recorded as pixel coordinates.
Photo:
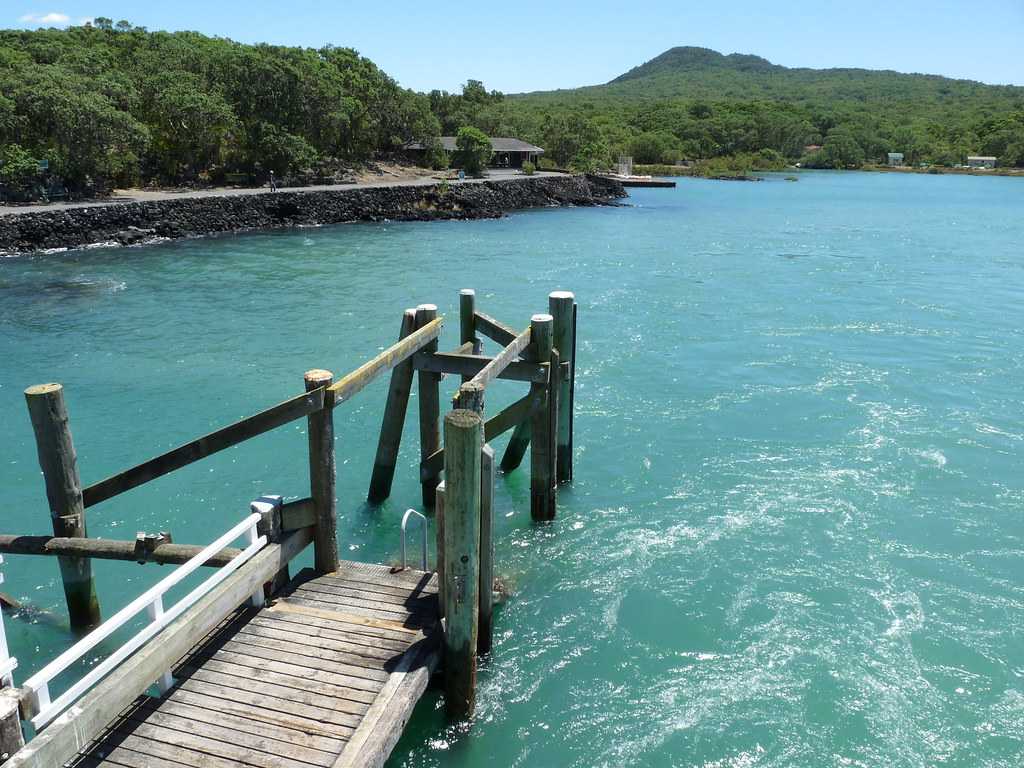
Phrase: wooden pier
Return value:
(326, 675)
(256, 668)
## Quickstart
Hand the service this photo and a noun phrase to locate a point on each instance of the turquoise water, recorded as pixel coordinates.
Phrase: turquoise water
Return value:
(795, 536)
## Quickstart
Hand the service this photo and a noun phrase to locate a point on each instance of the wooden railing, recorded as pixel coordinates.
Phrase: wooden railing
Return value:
(191, 452)
(61, 739)
(68, 500)
(37, 687)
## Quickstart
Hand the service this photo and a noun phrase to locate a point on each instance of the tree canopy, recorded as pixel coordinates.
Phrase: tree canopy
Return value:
(115, 104)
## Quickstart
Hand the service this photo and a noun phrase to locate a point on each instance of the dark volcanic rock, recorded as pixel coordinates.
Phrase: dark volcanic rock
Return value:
(129, 223)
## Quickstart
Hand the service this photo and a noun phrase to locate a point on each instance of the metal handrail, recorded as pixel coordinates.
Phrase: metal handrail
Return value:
(423, 527)
(7, 662)
(150, 601)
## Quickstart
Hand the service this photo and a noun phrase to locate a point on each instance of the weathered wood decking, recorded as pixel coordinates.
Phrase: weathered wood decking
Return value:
(326, 674)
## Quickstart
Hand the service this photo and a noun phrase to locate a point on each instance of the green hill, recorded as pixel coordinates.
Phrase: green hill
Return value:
(697, 103)
(701, 73)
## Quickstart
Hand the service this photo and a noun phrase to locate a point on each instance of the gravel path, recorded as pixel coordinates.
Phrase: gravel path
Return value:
(143, 195)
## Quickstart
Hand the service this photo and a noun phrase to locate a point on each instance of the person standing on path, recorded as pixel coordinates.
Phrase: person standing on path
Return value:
(273, 182)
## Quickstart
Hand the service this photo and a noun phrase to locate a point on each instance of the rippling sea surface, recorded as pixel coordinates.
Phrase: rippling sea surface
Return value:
(796, 534)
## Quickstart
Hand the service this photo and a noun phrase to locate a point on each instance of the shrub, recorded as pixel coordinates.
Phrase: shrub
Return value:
(650, 147)
(281, 151)
(18, 169)
(590, 157)
(434, 156)
(529, 168)
(474, 150)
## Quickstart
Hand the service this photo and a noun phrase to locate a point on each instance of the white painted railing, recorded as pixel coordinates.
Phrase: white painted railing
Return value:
(7, 662)
(150, 601)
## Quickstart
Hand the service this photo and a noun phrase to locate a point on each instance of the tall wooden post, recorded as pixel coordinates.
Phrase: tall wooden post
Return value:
(11, 738)
(467, 321)
(394, 420)
(485, 639)
(542, 452)
(320, 428)
(57, 459)
(430, 407)
(463, 441)
(561, 305)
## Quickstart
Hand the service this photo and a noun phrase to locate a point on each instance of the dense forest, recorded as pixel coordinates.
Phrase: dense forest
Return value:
(110, 104)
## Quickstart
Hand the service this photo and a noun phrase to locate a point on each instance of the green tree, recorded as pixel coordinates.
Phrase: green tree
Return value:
(434, 155)
(18, 169)
(280, 151)
(189, 124)
(841, 150)
(473, 150)
(651, 147)
(592, 156)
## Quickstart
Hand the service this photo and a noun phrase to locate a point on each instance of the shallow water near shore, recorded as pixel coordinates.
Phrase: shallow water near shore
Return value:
(795, 533)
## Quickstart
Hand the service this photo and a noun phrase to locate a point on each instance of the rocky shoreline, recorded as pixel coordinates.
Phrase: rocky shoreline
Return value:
(137, 222)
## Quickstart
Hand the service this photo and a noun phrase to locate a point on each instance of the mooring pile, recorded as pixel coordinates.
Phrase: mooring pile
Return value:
(541, 355)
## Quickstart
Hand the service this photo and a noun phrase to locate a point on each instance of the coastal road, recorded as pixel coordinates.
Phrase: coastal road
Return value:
(143, 195)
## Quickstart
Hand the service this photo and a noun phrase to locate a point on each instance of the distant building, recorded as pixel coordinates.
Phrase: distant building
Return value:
(508, 153)
(981, 161)
(811, 148)
(895, 159)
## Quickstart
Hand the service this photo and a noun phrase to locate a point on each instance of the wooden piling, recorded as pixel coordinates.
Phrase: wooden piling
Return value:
(430, 407)
(320, 428)
(542, 452)
(394, 420)
(11, 738)
(463, 438)
(58, 462)
(515, 450)
(562, 307)
(467, 321)
(485, 637)
(470, 397)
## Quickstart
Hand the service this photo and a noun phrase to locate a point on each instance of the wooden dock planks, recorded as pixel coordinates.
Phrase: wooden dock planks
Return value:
(327, 674)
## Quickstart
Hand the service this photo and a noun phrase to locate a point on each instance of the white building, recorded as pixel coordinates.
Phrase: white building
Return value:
(895, 159)
(981, 161)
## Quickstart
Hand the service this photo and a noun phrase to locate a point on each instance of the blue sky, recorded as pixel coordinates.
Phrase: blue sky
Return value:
(529, 45)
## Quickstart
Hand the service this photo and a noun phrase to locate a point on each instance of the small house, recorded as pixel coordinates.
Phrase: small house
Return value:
(508, 152)
(981, 161)
(895, 159)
